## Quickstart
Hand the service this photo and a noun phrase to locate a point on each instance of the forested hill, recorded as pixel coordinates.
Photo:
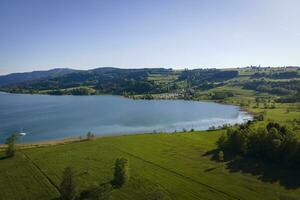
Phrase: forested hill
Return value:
(110, 80)
(214, 84)
(16, 78)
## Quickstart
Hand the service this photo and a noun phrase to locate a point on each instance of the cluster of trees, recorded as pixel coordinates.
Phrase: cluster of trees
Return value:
(200, 77)
(73, 91)
(219, 95)
(274, 143)
(147, 96)
(90, 136)
(68, 188)
(277, 75)
(273, 87)
(259, 117)
(291, 98)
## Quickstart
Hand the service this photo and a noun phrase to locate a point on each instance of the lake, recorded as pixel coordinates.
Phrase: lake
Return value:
(45, 117)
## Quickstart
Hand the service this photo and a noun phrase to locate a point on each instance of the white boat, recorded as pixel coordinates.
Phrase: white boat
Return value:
(22, 134)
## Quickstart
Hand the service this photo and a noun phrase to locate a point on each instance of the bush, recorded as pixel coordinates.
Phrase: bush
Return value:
(82, 91)
(221, 95)
(259, 117)
(121, 173)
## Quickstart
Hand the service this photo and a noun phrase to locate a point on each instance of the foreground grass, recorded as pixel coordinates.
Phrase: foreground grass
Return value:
(178, 165)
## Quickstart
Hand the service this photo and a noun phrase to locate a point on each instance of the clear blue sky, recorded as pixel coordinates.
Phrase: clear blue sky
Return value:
(43, 34)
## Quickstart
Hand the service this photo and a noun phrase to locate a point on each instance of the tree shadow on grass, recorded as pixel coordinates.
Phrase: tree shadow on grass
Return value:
(4, 157)
(265, 171)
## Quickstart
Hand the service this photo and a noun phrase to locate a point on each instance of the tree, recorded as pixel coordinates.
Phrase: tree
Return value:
(67, 186)
(121, 173)
(222, 141)
(259, 117)
(10, 141)
(90, 135)
(237, 140)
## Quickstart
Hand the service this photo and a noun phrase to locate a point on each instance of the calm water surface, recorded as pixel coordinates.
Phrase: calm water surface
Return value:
(45, 117)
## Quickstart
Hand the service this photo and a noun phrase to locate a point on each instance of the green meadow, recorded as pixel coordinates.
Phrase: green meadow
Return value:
(179, 165)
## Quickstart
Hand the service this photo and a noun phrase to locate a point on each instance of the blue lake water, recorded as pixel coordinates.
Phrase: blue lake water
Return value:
(45, 117)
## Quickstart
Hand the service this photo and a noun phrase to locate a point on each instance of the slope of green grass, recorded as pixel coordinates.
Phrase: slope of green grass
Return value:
(179, 165)
(21, 179)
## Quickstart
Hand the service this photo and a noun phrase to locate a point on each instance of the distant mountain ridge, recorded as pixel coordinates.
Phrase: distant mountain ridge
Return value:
(142, 82)
(35, 76)
(110, 80)
(16, 78)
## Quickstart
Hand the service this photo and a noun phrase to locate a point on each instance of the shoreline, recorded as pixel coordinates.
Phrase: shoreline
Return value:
(70, 140)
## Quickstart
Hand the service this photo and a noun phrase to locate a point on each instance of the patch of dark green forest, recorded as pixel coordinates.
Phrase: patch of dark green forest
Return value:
(275, 143)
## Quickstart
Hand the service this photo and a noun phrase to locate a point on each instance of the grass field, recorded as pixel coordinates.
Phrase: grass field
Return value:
(179, 165)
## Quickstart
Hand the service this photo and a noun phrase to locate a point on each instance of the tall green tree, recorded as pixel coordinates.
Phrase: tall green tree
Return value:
(67, 186)
(90, 136)
(11, 149)
(121, 173)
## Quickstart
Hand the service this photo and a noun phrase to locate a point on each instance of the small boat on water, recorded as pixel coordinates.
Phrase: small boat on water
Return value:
(22, 134)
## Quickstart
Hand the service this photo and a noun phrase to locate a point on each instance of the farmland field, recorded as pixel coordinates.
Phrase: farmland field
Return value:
(179, 165)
